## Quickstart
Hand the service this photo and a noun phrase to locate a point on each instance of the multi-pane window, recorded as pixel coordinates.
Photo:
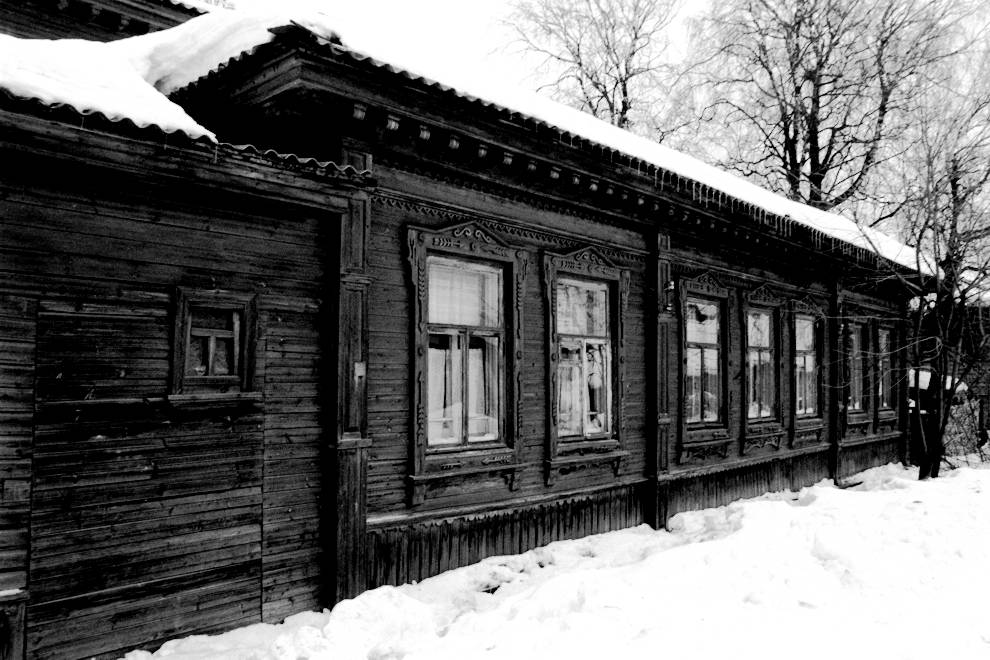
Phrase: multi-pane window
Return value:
(885, 385)
(702, 373)
(857, 373)
(213, 344)
(465, 356)
(760, 366)
(584, 362)
(805, 366)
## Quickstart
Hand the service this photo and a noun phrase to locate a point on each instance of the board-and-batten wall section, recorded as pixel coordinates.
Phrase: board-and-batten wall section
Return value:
(150, 520)
(450, 528)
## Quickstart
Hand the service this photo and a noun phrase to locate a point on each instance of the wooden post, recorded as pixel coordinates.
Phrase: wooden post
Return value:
(350, 461)
(665, 364)
(352, 515)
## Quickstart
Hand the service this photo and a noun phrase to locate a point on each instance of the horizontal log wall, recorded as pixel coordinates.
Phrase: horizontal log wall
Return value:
(151, 519)
(17, 347)
(403, 552)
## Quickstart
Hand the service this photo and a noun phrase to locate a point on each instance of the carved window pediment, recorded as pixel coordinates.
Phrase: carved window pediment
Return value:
(808, 306)
(764, 296)
(705, 284)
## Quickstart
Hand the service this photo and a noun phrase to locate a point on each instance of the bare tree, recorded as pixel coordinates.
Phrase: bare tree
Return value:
(811, 92)
(607, 57)
(945, 174)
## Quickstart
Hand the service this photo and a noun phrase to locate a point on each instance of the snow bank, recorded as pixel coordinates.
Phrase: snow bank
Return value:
(892, 568)
(130, 78)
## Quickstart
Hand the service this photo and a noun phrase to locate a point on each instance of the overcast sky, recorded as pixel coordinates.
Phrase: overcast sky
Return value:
(461, 33)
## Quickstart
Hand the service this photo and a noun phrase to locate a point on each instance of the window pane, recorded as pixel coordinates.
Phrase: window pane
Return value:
(855, 370)
(582, 308)
(753, 371)
(767, 380)
(212, 319)
(484, 402)
(223, 358)
(702, 322)
(464, 293)
(806, 377)
(758, 330)
(711, 385)
(885, 384)
(804, 333)
(570, 368)
(596, 371)
(444, 383)
(197, 355)
(692, 385)
(800, 384)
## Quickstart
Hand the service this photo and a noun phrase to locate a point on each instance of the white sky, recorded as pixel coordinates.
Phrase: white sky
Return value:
(469, 31)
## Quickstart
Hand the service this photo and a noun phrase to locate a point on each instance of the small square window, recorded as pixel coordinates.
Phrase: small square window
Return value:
(212, 342)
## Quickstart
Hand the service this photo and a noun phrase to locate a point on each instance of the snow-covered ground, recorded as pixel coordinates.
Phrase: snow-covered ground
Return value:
(892, 568)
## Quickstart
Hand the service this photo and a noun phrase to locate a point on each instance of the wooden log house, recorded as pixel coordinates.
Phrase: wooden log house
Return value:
(236, 384)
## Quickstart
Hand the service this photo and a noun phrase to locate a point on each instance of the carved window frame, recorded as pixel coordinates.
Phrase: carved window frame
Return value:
(809, 308)
(764, 299)
(863, 331)
(244, 305)
(889, 410)
(472, 242)
(704, 440)
(590, 265)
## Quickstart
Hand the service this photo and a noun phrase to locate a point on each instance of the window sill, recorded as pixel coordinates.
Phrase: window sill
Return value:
(582, 445)
(763, 435)
(438, 472)
(697, 449)
(808, 431)
(575, 462)
(214, 400)
(701, 434)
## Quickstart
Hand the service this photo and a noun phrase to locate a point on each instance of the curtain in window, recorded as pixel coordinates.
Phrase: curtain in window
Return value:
(805, 367)
(702, 378)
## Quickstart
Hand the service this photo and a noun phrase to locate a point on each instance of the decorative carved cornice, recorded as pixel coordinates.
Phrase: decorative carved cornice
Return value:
(705, 284)
(764, 295)
(809, 306)
(499, 226)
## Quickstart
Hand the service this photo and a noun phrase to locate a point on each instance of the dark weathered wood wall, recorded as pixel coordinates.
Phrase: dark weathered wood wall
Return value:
(150, 519)
(17, 347)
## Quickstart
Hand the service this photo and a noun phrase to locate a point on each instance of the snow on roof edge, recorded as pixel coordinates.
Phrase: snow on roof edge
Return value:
(570, 121)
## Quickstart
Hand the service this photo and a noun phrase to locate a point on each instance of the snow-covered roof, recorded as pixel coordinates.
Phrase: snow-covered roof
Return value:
(130, 79)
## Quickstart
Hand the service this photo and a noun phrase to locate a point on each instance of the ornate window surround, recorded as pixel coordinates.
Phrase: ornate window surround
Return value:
(809, 429)
(766, 431)
(586, 264)
(890, 328)
(704, 440)
(466, 240)
(764, 299)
